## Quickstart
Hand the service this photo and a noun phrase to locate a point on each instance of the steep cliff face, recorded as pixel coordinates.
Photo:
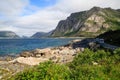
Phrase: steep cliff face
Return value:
(89, 23)
(8, 34)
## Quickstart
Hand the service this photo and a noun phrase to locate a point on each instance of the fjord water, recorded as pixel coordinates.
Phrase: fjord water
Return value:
(15, 46)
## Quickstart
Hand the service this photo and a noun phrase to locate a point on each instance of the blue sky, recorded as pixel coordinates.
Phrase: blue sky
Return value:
(26, 17)
(42, 3)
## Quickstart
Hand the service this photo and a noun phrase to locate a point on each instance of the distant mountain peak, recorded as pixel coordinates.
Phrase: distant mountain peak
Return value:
(41, 34)
(95, 8)
(8, 34)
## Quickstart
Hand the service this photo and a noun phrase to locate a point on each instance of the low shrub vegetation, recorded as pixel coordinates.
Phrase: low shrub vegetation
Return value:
(99, 65)
(45, 71)
(88, 65)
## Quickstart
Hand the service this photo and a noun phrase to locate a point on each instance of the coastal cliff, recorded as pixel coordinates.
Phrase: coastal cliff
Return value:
(88, 23)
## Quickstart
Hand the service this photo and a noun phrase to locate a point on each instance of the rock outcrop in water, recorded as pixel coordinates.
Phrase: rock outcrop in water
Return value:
(89, 23)
(8, 34)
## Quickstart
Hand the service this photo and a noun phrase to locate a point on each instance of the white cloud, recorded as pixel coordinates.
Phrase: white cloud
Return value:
(80, 5)
(44, 19)
(8, 28)
(41, 21)
(12, 7)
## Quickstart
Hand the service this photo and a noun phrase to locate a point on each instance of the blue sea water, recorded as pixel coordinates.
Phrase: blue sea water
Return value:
(15, 46)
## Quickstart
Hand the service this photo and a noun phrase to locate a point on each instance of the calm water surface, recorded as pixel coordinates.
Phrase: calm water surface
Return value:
(15, 46)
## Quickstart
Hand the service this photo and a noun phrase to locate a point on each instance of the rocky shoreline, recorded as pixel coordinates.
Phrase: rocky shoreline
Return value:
(11, 65)
(61, 55)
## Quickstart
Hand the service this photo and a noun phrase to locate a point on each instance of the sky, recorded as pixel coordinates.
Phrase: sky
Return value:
(26, 17)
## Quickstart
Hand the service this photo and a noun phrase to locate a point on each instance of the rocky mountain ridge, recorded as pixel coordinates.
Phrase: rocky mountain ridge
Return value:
(88, 23)
(41, 34)
(38, 35)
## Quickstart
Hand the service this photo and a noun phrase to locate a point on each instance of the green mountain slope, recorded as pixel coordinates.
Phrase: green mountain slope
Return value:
(89, 23)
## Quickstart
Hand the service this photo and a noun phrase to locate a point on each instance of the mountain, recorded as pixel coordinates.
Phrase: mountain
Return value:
(111, 37)
(89, 23)
(8, 34)
(25, 37)
(41, 34)
(38, 35)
